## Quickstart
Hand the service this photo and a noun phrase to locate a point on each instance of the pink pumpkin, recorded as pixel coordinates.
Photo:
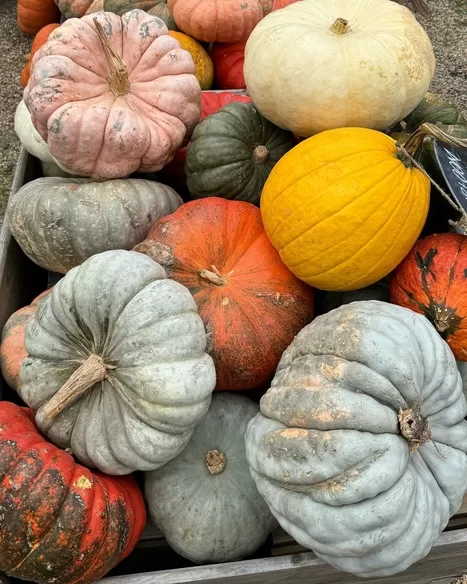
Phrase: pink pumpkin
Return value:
(113, 94)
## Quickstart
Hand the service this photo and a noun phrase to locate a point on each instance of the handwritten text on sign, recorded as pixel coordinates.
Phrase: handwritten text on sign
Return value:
(453, 164)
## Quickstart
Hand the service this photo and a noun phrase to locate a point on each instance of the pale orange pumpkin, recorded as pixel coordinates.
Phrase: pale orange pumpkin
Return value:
(222, 22)
(113, 94)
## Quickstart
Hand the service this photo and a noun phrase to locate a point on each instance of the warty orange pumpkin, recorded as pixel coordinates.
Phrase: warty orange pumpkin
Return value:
(252, 306)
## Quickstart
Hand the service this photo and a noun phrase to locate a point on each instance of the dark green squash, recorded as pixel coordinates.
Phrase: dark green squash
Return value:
(435, 110)
(154, 7)
(232, 153)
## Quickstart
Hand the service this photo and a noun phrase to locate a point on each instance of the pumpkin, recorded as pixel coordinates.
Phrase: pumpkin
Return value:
(12, 351)
(29, 136)
(232, 153)
(358, 72)
(79, 8)
(76, 102)
(157, 8)
(61, 222)
(194, 524)
(223, 22)
(363, 428)
(435, 110)
(278, 4)
(213, 101)
(432, 280)
(60, 521)
(343, 208)
(40, 38)
(203, 63)
(251, 305)
(32, 15)
(116, 364)
(228, 65)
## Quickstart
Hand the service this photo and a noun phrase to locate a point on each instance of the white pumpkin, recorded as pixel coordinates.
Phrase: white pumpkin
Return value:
(317, 65)
(29, 136)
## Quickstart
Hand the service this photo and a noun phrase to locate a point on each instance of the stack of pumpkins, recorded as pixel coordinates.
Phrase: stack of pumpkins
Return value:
(291, 201)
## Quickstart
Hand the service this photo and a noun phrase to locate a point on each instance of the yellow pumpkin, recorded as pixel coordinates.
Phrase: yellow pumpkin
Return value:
(344, 207)
(204, 67)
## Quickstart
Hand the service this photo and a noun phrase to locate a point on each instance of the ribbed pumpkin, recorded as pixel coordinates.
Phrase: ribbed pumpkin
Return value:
(232, 153)
(40, 38)
(203, 63)
(435, 110)
(250, 303)
(228, 65)
(60, 521)
(344, 207)
(223, 22)
(32, 15)
(432, 280)
(157, 8)
(78, 8)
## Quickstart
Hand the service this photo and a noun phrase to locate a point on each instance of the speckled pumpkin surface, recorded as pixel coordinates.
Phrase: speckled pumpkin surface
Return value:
(79, 8)
(157, 8)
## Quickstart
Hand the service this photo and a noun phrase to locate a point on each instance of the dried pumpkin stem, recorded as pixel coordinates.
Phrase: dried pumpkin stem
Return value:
(119, 83)
(215, 277)
(84, 378)
(340, 26)
(414, 427)
(260, 154)
(215, 461)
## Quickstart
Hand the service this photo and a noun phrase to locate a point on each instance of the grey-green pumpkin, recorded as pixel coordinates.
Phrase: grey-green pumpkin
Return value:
(205, 500)
(360, 446)
(232, 153)
(116, 367)
(60, 222)
(155, 7)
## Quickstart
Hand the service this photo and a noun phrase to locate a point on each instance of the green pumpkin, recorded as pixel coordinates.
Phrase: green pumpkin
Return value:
(232, 153)
(434, 110)
(155, 7)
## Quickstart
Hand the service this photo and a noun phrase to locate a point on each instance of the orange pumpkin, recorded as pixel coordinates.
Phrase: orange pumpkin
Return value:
(222, 22)
(278, 4)
(203, 63)
(32, 15)
(40, 38)
(228, 62)
(432, 280)
(251, 304)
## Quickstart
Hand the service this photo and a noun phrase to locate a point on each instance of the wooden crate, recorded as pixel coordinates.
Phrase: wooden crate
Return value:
(281, 559)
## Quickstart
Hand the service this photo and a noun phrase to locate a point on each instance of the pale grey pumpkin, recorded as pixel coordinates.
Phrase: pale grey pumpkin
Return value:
(60, 222)
(29, 136)
(116, 364)
(205, 500)
(334, 450)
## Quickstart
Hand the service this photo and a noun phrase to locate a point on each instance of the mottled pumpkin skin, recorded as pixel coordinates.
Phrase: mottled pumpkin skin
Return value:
(228, 65)
(40, 38)
(330, 454)
(342, 209)
(32, 15)
(194, 523)
(222, 159)
(204, 67)
(434, 110)
(61, 222)
(223, 22)
(252, 317)
(60, 521)
(157, 8)
(12, 350)
(79, 8)
(432, 280)
(104, 126)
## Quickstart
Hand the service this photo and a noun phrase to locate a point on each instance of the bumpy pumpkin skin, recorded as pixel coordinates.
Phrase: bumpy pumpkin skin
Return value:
(228, 62)
(204, 67)
(254, 307)
(79, 8)
(194, 523)
(232, 153)
(222, 22)
(432, 280)
(157, 8)
(61, 222)
(118, 323)
(342, 209)
(40, 38)
(103, 124)
(61, 522)
(32, 15)
(359, 73)
(332, 445)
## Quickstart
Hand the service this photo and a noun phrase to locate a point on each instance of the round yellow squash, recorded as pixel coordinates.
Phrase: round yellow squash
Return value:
(203, 63)
(344, 207)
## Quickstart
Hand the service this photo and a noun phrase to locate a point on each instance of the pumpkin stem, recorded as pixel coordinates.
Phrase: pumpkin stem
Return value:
(215, 277)
(414, 427)
(426, 130)
(215, 461)
(340, 26)
(86, 376)
(119, 83)
(260, 154)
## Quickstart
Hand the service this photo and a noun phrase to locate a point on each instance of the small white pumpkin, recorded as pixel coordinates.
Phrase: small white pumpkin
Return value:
(29, 136)
(317, 65)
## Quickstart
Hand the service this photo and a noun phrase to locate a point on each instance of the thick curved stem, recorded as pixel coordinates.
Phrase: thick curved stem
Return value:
(426, 130)
(119, 83)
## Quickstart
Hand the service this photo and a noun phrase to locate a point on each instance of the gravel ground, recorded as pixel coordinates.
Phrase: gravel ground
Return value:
(446, 26)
